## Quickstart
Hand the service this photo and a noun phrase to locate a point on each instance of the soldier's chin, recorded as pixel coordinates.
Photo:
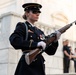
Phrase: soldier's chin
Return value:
(36, 20)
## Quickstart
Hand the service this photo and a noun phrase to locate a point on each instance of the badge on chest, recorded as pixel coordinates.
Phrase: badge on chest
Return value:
(42, 37)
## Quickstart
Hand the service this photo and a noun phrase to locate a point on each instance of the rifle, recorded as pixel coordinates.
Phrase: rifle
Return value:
(31, 55)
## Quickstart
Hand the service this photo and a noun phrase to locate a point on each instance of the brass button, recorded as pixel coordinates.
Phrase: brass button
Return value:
(38, 37)
(30, 36)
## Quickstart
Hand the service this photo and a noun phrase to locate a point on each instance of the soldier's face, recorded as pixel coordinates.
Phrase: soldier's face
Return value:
(67, 42)
(33, 16)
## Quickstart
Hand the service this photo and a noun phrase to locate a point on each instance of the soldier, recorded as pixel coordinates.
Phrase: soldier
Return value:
(67, 56)
(17, 40)
(73, 56)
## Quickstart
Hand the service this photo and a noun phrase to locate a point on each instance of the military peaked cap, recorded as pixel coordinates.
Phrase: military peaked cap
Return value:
(31, 6)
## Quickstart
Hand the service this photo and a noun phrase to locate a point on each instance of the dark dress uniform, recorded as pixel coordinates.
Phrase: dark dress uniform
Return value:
(75, 65)
(17, 40)
(66, 60)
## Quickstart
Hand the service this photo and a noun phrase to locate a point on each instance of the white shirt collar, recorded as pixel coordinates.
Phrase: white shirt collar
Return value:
(32, 24)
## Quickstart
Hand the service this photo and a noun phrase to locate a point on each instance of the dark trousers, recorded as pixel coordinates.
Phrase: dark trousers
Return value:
(66, 63)
(75, 65)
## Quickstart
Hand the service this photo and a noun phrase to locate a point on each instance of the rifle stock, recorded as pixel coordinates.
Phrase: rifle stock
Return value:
(33, 53)
(29, 57)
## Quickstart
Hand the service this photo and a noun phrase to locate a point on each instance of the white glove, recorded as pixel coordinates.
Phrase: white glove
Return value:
(58, 34)
(42, 44)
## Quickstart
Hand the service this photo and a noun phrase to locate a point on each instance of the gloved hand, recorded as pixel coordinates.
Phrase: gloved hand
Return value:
(58, 34)
(42, 44)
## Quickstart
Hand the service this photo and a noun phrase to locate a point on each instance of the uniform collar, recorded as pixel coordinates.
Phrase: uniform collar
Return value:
(30, 24)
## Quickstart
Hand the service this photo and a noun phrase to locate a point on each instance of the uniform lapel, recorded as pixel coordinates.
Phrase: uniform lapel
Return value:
(34, 29)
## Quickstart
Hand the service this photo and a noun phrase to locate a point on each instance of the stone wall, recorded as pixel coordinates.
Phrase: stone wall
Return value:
(8, 56)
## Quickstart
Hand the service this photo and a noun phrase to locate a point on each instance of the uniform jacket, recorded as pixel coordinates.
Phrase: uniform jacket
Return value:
(17, 40)
(66, 48)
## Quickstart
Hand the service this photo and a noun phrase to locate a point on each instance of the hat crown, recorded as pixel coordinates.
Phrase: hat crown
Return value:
(29, 6)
